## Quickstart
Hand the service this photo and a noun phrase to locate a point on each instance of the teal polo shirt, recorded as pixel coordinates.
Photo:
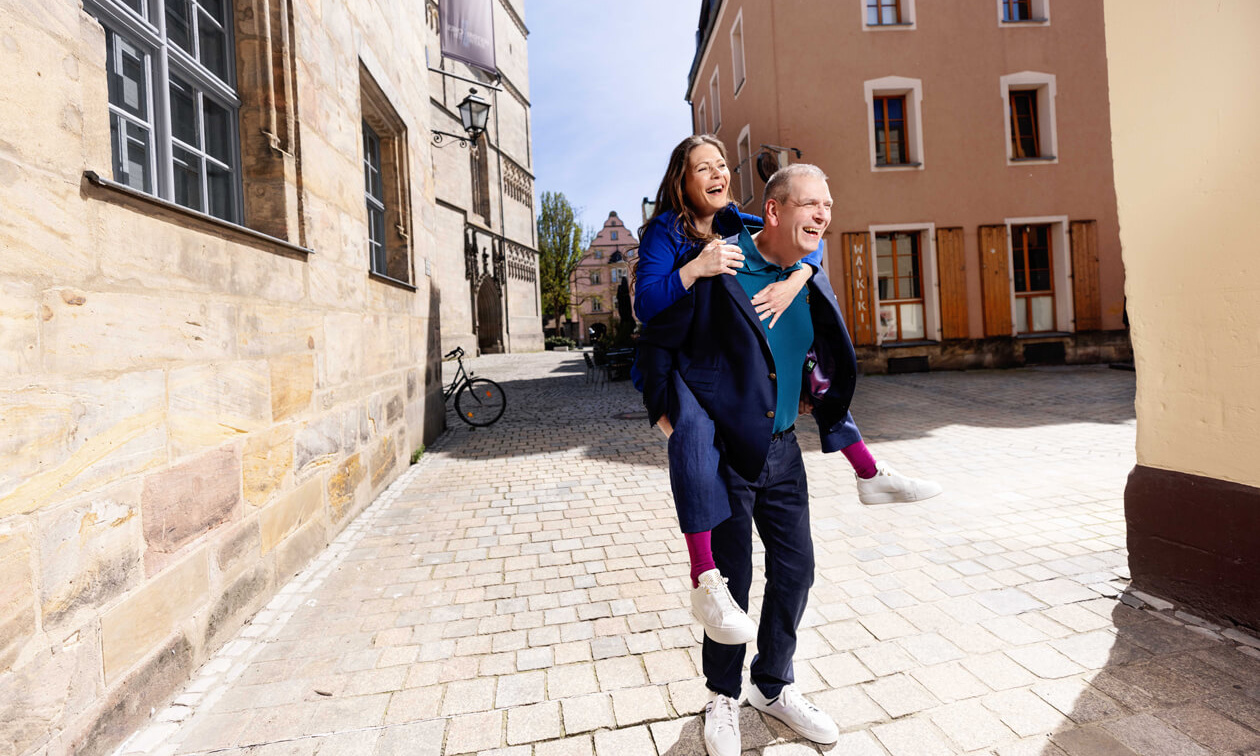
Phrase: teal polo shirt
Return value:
(790, 338)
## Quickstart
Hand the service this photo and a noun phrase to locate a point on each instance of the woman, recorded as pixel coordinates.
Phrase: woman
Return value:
(680, 243)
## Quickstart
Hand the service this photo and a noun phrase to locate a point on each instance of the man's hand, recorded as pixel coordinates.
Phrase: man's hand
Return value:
(715, 259)
(665, 426)
(806, 407)
(771, 301)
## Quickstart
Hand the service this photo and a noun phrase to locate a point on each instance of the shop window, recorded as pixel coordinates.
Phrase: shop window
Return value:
(1032, 268)
(899, 271)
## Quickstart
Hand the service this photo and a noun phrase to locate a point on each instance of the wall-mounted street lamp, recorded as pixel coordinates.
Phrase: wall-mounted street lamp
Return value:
(473, 114)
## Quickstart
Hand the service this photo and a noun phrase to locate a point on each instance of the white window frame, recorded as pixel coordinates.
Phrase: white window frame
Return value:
(739, 73)
(909, 20)
(743, 153)
(702, 117)
(167, 60)
(912, 89)
(715, 96)
(1047, 122)
(931, 278)
(1061, 259)
(1040, 13)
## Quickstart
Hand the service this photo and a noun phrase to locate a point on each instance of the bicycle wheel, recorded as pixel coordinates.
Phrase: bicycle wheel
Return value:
(480, 402)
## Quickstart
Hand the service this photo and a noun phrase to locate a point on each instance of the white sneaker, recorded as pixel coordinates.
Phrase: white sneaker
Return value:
(721, 726)
(723, 620)
(793, 709)
(890, 486)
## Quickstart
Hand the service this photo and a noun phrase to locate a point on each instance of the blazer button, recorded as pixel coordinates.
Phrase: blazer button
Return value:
(773, 377)
(770, 413)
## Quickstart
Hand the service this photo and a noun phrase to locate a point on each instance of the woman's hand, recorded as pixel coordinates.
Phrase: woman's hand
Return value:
(771, 301)
(715, 259)
(665, 426)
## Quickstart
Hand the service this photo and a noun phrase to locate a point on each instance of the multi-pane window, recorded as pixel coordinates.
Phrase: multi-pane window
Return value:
(598, 254)
(900, 279)
(715, 95)
(374, 194)
(1024, 126)
(172, 102)
(614, 235)
(737, 52)
(597, 304)
(614, 275)
(745, 168)
(890, 130)
(1034, 278)
(880, 12)
(1017, 10)
(595, 277)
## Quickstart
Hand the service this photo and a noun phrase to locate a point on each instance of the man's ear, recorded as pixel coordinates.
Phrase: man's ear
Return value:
(772, 212)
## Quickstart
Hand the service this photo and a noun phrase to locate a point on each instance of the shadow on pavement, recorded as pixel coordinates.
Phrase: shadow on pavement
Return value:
(1157, 687)
(561, 406)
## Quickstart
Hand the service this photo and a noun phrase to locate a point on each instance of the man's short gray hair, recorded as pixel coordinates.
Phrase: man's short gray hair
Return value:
(780, 184)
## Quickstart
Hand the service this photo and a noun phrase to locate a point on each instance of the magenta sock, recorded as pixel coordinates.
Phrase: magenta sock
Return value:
(700, 548)
(860, 457)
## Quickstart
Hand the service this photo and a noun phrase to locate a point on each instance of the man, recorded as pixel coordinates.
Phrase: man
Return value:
(751, 380)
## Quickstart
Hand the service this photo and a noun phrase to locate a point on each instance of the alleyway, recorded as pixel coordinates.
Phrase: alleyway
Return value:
(521, 591)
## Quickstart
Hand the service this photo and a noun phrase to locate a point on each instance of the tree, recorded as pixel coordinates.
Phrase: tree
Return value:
(560, 251)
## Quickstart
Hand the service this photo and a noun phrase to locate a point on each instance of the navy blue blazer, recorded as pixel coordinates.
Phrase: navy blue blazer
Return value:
(713, 338)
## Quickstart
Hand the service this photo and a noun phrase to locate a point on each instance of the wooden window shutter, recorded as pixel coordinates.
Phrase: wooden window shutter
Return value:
(1085, 295)
(859, 304)
(995, 281)
(951, 262)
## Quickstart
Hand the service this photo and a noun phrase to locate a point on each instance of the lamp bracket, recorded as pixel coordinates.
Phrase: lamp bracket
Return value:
(440, 137)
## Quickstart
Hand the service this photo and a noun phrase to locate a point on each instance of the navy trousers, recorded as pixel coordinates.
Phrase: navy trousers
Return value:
(700, 495)
(778, 503)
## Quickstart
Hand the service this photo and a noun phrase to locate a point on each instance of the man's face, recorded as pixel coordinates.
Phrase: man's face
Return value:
(804, 215)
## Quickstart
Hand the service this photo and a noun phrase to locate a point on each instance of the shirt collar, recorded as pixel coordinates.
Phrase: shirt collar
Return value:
(755, 263)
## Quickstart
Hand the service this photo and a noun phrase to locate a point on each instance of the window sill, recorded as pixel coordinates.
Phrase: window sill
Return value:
(117, 191)
(889, 27)
(897, 167)
(905, 344)
(1039, 159)
(390, 280)
(1053, 335)
(1025, 22)
(739, 87)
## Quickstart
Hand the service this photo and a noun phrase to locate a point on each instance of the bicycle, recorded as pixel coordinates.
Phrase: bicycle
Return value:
(478, 401)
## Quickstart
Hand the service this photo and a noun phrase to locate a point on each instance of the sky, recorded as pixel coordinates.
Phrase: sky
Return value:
(607, 81)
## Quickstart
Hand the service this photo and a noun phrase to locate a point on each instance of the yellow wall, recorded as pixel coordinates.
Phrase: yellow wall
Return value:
(1184, 112)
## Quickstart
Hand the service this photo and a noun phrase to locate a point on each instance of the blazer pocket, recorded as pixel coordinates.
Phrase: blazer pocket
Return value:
(701, 378)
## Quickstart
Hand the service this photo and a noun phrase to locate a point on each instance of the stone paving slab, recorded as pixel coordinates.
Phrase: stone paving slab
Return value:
(522, 592)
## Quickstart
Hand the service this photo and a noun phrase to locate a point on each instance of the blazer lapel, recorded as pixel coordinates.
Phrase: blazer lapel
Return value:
(744, 305)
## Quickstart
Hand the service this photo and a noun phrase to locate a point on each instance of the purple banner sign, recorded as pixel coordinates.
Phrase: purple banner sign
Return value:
(468, 32)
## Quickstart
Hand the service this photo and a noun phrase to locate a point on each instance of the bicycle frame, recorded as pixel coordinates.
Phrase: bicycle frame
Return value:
(461, 377)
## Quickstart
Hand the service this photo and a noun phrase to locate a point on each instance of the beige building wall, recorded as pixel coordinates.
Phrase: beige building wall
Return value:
(811, 71)
(189, 411)
(1184, 106)
(491, 254)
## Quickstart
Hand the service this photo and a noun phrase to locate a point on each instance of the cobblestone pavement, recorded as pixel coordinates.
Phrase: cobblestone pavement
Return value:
(522, 592)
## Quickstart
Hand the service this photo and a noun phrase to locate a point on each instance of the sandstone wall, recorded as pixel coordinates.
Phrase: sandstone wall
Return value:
(188, 414)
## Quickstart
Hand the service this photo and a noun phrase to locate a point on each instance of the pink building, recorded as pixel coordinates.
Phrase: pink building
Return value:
(594, 284)
(968, 147)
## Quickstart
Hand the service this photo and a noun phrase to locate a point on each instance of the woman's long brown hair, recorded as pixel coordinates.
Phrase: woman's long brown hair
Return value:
(672, 196)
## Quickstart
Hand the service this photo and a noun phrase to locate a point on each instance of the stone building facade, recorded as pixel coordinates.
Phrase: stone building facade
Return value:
(969, 153)
(225, 282)
(608, 261)
(486, 261)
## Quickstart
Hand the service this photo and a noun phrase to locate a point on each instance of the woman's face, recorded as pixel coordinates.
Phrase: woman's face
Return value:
(707, 181)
